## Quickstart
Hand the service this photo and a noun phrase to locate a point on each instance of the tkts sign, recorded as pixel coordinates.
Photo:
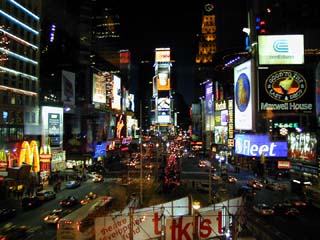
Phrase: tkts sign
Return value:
(285, 91)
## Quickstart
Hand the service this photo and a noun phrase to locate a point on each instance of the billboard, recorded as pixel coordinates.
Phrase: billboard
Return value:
(243, 93)
(116, 93)
(254, 145)
(125, 57)
(302, 146)
(163, 104)
(286, 90)
(130, 102)
(162, 55)
(68, 88)
(281, 49)
(209, 98)
(163, 81)
(171, 220)
(52, 126)
(164, 117)
(99, 88)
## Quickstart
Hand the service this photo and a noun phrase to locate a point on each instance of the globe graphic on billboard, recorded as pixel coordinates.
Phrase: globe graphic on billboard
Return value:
(242, 92)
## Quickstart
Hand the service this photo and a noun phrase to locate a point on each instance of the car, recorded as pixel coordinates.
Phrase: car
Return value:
(232, 179)
(73, 184)
(54, 216)
(202, 164)
(46, 195)
(97, 178)
(297, 202)
(6, 213)
(216, 177)
(285, 208)
(276, 186)
(263, 209)
(30, 202)
(255, 184)
(70, 201)
(10, 231)
(88, 198)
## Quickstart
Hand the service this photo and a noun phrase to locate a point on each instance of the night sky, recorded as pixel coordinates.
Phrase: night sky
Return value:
(169, 24)
(151, 25)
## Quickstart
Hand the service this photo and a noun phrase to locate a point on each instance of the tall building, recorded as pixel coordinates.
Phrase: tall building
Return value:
(19, 72)
(207, 46)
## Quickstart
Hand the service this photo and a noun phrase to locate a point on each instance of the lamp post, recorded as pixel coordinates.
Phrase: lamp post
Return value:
(196, 207)
(163, 225)
(157, 160)
(141, 158)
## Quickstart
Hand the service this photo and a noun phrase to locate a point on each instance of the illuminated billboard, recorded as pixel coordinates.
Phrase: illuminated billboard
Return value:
(99, 88)
(162, 55)
(281, 49)
(163, 81)
(243, 93)
(125, 57)
(164, 117)
(52, 126)
(130, 102)
(209, 99)
(116, 93)
(163, 104)
(286, 90)
(302, 146)
(254, 145)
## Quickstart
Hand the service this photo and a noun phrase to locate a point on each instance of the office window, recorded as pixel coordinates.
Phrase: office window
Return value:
(33, 117)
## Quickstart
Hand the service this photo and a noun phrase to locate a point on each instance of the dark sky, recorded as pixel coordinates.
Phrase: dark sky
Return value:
(164, 24)
(176, 25)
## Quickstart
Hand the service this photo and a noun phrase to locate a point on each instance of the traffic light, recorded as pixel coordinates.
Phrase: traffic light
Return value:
(261, 27)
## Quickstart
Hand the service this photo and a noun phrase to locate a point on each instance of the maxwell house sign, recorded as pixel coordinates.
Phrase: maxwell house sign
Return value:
(285, 90)
(255, 145)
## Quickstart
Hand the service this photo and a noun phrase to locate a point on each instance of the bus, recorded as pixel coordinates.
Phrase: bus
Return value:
(80, 223)
(312, 195)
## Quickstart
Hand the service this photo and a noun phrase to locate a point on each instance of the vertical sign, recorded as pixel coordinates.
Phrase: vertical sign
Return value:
(243, 96)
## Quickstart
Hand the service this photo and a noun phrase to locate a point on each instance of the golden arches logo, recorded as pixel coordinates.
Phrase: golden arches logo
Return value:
(29, 154)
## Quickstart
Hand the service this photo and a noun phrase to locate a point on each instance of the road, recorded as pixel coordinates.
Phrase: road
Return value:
(34, 218)
(301, 227)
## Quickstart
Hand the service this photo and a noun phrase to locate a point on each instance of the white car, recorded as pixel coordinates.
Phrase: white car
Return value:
(54, 216)
(97, 178)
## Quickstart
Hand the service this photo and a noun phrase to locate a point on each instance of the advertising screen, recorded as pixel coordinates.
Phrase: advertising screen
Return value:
(209, 99)
(286, 90)
(99, 88)
(162, 55)
(116, 93)
(163, 81)
(243, 93)
(302, 146)
(163, 103)
(254, 145)
(52, 120)
(281, 49)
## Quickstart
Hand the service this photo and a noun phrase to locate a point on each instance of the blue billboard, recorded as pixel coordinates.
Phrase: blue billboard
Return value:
(254, 145)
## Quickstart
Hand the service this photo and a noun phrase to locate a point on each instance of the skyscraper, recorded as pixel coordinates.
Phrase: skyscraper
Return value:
(19, 70)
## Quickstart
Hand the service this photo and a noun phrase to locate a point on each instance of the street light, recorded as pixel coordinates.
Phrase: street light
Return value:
(157, 160)
(196, 206)
(163, 223)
